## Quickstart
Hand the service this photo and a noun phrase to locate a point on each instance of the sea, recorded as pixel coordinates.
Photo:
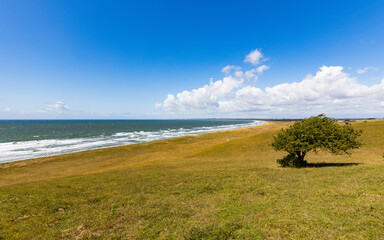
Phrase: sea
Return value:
(26, 139)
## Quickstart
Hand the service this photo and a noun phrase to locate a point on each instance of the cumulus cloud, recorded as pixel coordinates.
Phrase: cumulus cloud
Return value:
(251, 74)
(330, 90)
(58, 107)
(213, 95)
(227, 69)
(7, 109)
(363, 70)
(254, 57)
(261, 69)
(207, 97)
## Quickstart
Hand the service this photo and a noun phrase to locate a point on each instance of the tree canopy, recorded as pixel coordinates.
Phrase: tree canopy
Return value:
(314, 134)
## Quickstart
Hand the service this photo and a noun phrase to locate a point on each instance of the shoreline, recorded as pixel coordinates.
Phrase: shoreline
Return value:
(261, 123)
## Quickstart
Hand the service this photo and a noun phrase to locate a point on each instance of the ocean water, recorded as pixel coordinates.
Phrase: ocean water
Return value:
(26, 139)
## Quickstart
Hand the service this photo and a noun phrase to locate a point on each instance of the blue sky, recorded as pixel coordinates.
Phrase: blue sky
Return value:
(122, 59)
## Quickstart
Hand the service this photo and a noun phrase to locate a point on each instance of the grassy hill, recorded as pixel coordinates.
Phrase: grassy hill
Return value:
(223, 185)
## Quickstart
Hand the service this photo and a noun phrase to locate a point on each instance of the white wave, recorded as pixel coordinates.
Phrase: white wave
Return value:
(15, 151)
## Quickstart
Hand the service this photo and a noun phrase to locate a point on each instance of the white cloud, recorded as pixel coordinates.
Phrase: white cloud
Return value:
(363, 70)
(250, 75)
(227, 69)
(7, 109)
(58, 107)
(254, 57)
(330, 90)
(261, 69)
(204, 98)
(210, 97)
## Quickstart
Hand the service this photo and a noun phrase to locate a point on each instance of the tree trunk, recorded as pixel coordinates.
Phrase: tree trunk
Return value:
(300, 158)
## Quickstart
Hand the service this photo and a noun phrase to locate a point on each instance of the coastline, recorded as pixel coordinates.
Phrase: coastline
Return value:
(126, 156)
(260, 123)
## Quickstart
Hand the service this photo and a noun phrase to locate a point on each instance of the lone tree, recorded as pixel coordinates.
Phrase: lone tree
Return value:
(314, 133)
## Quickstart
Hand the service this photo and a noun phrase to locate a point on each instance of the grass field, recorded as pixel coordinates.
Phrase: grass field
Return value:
(223, 185)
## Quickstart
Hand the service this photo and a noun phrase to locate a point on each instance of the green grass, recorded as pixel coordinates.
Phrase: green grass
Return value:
(223, 185)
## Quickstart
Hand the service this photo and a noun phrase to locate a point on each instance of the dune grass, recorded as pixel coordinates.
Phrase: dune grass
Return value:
(223, 185)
